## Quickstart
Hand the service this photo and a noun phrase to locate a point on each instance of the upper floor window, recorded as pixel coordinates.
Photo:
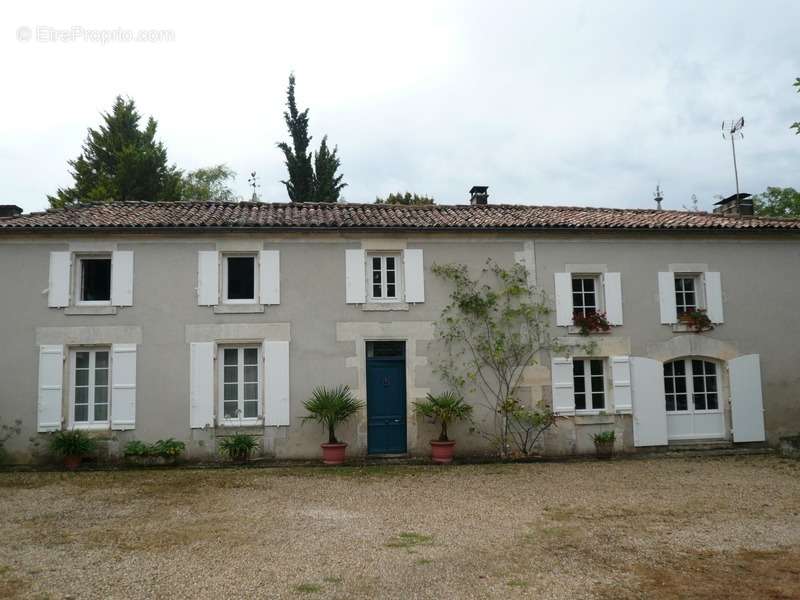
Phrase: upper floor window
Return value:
(239, 278)
(687, 293)
(691, 378)
(240, 380)
(90, 369)
(589, 383)
(93, 279)
(585, 295)
(384, 277)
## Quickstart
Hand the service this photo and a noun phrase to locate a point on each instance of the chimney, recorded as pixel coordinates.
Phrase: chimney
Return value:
(740, 205)
(479, 194)
(9, 210)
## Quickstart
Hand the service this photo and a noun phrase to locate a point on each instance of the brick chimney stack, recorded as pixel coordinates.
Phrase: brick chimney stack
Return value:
(479, 194)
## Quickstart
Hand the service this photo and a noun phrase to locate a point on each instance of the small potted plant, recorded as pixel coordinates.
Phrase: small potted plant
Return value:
(73, 445)
(331, 407)
(444, 409)
(604, 444)
(162, 452)
(591, 323)
(238, 447)
(697, 320)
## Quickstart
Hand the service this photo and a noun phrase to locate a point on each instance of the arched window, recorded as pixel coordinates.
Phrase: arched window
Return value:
(691, 385)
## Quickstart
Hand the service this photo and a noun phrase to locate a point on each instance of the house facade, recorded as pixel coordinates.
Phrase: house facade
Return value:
(142, 321)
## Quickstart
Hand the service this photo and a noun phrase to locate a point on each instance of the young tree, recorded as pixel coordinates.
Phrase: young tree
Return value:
(407, 199)
(209, 184)
(304, 183)
(327, 184)
(796, 124)
(777, 202)
(120, 161)
(494, 326)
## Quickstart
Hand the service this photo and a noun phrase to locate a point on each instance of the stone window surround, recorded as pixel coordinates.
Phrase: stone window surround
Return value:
(409, 331)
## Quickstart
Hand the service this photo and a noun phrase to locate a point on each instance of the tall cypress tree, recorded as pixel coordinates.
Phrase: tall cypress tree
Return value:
(120, 161)
(300, 185)
(309, 181)
(327, 184)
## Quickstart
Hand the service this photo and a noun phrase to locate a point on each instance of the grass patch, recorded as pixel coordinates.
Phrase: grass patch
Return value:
(331, 579)
(424, 561)
(307, 588)
(517, 583)
(409, 539)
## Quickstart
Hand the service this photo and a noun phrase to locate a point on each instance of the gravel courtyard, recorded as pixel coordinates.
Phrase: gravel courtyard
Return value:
(655, 528)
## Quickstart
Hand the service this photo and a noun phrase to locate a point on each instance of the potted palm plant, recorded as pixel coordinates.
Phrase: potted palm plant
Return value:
(72, 445)
(604, 444)
(331, 407)
(444, 409)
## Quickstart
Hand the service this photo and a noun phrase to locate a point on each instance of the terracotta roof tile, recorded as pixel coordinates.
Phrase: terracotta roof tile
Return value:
(200, 215)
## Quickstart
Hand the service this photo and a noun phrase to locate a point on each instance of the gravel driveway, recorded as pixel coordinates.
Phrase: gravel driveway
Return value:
(655, 528)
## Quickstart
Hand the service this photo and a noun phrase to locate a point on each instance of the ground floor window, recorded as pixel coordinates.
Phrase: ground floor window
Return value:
(90, 369)
(589, 381)
(240, 382)
(691, 378)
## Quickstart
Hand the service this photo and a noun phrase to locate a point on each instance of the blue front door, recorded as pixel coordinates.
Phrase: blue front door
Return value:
(386, 398)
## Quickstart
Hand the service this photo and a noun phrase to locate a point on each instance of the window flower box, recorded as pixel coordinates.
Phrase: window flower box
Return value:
(595, 322)
(696, 320)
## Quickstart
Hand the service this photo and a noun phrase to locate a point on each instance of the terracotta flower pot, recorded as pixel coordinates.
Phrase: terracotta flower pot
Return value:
(72, 462)
(333, 454)
(442, 452)
(604, 450)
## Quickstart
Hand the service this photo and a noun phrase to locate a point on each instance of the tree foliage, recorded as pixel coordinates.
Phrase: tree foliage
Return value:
(407, 199)
(493, 327)
(777, 202)
(209, 184)
(121, 161)
(796, 124)
(309, 180)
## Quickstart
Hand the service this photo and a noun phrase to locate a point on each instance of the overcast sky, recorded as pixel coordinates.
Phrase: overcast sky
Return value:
(588, 104)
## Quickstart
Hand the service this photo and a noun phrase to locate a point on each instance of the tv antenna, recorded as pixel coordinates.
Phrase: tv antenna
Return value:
(733, 129)
(253, 182)
(658, 196)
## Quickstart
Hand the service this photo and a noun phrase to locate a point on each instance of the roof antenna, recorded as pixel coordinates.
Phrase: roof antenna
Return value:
(734, 130)
(253, 182)
(659, 197)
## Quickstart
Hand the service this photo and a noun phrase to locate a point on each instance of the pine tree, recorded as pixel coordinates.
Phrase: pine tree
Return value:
(300, 185)
(308, 181)
(327, 184)
(120, 161)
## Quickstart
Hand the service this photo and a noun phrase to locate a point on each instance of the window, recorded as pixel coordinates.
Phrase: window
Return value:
(94, 280)
(588, 376)
(691, 378)
(686, 293)
(383, 278)
(90, 386)
(585, 295)
(240, 381)
(239, 279)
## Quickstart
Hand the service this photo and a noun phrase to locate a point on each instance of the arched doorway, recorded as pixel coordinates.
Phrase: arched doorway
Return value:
(694, 399)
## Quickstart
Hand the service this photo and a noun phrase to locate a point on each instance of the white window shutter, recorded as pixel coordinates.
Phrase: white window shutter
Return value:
(621, 381)
(58, 286)
(414, 271)
(747, 403)
(201, 385)
(713, 284)
(51, 377)
(269, 276)
(276, 377)
(666, 298)
(122, 278)
(355, 276)
(123, 386)
(563, 299)
(612, 288)
(649, 403)
(207, 277)
(563, 386)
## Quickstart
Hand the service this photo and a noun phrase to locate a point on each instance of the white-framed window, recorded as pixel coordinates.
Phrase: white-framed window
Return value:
(585, 295)
(93, 279)
(691, 385)
(589, 383)
(688, 296)
(90, 379)
(240, 378)
(383, 278)
(239, 279)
